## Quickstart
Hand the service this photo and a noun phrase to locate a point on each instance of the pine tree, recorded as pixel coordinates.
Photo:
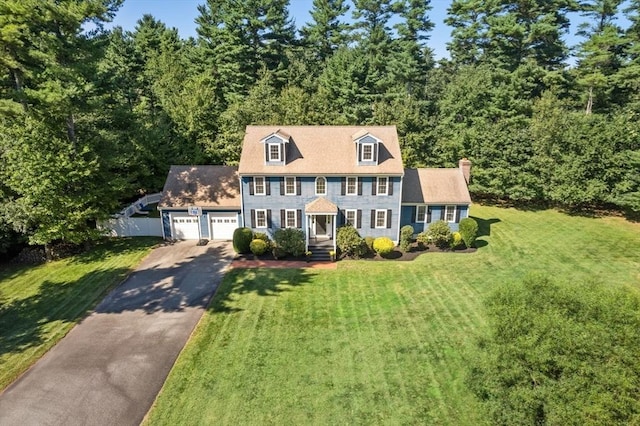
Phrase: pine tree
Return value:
(326, 33)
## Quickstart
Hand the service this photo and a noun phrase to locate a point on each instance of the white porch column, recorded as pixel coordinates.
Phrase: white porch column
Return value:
(335, 245)
(306, 234)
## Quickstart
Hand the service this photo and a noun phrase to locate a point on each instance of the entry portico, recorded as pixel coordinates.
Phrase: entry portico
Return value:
(320, 217)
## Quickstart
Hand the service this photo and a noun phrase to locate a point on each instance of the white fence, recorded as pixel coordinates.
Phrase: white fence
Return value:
(132, 227)
(142, 202)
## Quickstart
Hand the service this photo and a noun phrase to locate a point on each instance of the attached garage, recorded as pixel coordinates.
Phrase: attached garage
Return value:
(222, 225)
(214, 190)
(185, 228)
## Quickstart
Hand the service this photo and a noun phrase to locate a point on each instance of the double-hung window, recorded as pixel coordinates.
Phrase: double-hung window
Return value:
(258, 186)
(367, 152)
(289, 185)
(351, 217)
(383, 186)
(450, 213)
(261, 218)
(421, 213)
(352, 186)
(321, 186)
(290, 219)
(381, 218)
(274, 152)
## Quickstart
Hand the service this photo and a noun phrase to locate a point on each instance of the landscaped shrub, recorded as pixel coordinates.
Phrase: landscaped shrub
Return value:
(383, 246)
(258, 247)
(369, 243)
(456, 240)
(262, 236)
(440, 234)
(406, 237)
(242, 239)
(423, 238)
(469, 231)
(290, 240)
(350, 242)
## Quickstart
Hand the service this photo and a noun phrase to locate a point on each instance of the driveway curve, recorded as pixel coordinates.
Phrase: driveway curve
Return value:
(110, 367)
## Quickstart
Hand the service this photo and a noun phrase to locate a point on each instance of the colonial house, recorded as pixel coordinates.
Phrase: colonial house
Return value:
(315, 178)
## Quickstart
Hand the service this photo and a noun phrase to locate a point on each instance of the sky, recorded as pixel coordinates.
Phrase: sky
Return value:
(181, 14)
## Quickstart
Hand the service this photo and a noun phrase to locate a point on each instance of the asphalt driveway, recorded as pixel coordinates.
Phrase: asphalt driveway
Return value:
(110, 367)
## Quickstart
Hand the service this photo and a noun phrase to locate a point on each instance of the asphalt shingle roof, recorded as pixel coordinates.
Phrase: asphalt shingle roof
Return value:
(213, 187)
(435, 186)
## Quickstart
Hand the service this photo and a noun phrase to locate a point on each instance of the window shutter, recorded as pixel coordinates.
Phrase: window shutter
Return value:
(375, 152)
(282, 185)
(269, 218)
(390, 185)
(342, 218)
(251, 186)
(442, 212)
(373, 219)
(428, 214)
(414, 219)
(283, 223)
(359, 186)
(457, 214)
(266, 152)
(343, 189)
(267, 185)
(359, 220)
(253, 218)
(374, 185)
(389, 218)
(298, 186)
(299, 212)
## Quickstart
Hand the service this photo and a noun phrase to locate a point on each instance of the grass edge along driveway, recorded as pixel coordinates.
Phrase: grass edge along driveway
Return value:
(40, 304)
(376, 342)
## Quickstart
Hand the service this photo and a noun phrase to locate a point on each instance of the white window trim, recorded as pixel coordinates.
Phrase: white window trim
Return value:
(355, 186)
(294, 185)
(266, 225)
(286, 218)
(255, 185)
(453, 215)
(279, 152)
(355, 217)
(424, 214)
(372, 145)
(384, 225)
(386, 187)
(325, 185)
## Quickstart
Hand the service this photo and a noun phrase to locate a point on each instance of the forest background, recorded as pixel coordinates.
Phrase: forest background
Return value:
(91, 117)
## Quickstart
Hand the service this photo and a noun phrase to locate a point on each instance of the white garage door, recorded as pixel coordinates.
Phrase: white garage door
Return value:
(185, 228)
(223, 225)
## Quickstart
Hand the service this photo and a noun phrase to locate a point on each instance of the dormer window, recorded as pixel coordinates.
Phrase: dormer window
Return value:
(367, 148)
(274, 152)
(367, 152)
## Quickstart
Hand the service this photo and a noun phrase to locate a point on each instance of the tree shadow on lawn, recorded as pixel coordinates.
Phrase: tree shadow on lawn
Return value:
(263, 282)
(484, 229)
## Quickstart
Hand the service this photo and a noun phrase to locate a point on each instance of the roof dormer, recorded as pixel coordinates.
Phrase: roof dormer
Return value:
(275, 152)
(367, 148)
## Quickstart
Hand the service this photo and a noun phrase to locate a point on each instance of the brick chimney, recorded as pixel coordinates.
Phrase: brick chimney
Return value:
(465, 166)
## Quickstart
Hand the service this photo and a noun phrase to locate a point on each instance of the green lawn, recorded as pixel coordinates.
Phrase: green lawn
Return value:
(376, 342)
(40, 304)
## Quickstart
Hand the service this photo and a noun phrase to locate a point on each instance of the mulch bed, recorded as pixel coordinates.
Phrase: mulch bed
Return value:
(415, 251)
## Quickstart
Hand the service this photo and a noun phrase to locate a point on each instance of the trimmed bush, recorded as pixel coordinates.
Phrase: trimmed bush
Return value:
(350, 242)
(262, 236)
(469, 231)
(383, 246)
(242, 239)
(290, 241)
(406, 237)
(440, 234)
(423, 238)
(258, 247)
(369, 243)
(456, 240)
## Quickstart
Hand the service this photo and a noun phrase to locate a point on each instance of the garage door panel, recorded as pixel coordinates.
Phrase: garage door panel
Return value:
(185, 228)
(223, 225)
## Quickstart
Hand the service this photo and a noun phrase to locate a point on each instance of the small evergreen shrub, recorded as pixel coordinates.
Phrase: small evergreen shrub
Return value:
(258, 247)
(423, 238)
(369, 243)
(456, 240)
(242, 239)
(440, 234)
(406, 237)
(469, 231)
(383, 246)
(262, 236)
(350, 242)
(290, 241)
(277, 252)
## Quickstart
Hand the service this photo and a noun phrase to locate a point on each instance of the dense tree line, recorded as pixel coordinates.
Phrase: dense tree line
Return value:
(92, 118)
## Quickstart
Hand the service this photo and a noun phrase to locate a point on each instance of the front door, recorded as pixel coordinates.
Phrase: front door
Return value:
(321, 225)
